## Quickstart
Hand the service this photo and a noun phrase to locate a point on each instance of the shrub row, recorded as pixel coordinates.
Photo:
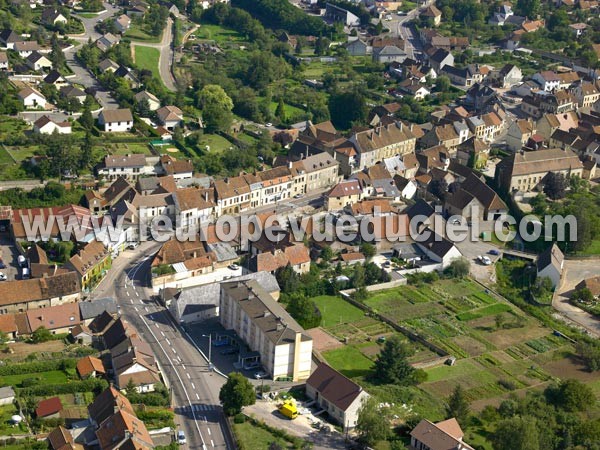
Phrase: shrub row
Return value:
(37, 366)
(91, 385)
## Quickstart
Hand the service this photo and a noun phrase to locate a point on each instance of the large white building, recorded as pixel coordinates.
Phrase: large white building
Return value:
(284, 347)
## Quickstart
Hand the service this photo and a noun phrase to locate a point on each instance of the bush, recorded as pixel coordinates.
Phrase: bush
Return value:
(37, 366)
(239, 418)
(91, 385)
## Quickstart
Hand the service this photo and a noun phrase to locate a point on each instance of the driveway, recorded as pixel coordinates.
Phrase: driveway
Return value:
(574, 272)
(8, 254)
(82, 75)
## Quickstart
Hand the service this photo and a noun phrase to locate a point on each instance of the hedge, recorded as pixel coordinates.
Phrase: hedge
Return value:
(91, 385)
(37, 366)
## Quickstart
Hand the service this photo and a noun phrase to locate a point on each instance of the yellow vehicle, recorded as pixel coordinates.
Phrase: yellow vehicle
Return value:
(288, 409)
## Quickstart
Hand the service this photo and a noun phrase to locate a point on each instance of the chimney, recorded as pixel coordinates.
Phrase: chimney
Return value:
(206, 196)
(289, 164)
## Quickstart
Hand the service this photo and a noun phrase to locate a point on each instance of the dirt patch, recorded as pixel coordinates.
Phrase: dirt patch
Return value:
(172, 150)
(20, 350)
(505, 338)
(472, 346)
(322, 340)
(371, 351)
(502, 357)
(570, 367)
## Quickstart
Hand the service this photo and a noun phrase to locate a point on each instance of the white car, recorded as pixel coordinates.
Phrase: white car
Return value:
(181, 438)
(486, 261)
(268, 124)
(233, 267)
(260, 375)
(3, 277)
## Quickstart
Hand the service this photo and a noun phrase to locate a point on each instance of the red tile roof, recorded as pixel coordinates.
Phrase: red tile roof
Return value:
(48, 407)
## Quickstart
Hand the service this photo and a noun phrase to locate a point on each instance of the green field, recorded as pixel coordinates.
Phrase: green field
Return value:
(50, 377)
(135, 33)
(349, 361)
(147, 58)
(336, 311)
(218, 34)
(216, 143)
(290, 111)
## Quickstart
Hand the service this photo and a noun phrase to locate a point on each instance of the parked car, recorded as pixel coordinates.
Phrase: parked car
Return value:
(485, 260)
(494, 252)
(260, 375)
(181, 437)
(233, 267)
(133, 245)
(221, 343)
(252, 365)
(3, 277)
(230, 351)
(22, 261)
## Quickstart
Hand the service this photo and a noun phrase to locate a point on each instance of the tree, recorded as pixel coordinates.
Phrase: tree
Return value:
(280, 110)
(589, 352)
(583, 295)
(216, 108)
(392, 366)
(304, 310)
(373, 423)
(130, 388)
(326, 254)
(346, 108)
(86, 119)
(368, 250)
(555, 185)
(358, 277)
(517, 433)
(287, 279)
(442, 84)
(528, 8)
(458, 406)
(458, 268)
(236, 393)
(322, 46)
(57, 57)
(42, 334)
(542, 287)
(571, 396)
(87, 147)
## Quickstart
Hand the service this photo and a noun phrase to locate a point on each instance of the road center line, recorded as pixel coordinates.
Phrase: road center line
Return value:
(197, 396)
(188, 375)
(193, 386)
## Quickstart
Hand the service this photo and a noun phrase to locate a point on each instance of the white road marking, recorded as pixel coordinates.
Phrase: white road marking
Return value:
(183, 367)
(163, 333)
(127, 293)
(193, 386)
(173, 350)
(208, 431)
(197, 396)
(137, 293)
(156, 325)
(168, 342)
(188, 375)
(212, 443)
(146, 308)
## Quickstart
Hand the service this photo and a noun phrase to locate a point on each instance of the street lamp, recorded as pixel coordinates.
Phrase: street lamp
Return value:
(209, 336)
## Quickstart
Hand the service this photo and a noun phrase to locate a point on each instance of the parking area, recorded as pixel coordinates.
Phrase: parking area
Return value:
(8, 255)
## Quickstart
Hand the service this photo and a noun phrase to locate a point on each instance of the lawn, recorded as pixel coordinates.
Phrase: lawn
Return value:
(349, 360)
(290, 111)
(49, 377)
(147, 58)
(335, 311)
(254, 437)
(218, 34)
(6, 428)
(216, 143)
(484, 312)
(87, 15)
(593, 248)
(22, 153)
(135, 33)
